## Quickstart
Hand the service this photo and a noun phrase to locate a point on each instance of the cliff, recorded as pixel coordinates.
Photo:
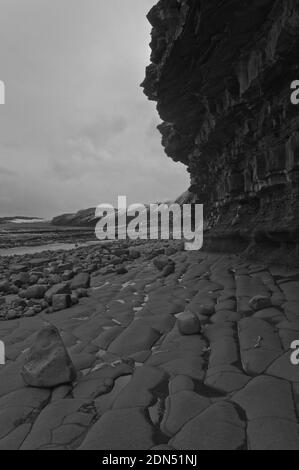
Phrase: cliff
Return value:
(221, 73)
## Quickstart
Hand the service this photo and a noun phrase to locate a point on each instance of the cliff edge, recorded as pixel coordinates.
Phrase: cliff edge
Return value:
(220, 73)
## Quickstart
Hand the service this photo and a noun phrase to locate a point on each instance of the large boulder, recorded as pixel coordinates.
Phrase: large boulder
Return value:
(64, 267)
(188, 323)
(4, 286)
(37, 262)
(21, 279)
(18, 268)
(81, 280)
(36, 292)
(47, 363)
(61, 288)
(61, 302)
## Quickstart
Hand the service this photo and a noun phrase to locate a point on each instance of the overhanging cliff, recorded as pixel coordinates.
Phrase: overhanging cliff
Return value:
(220, 73)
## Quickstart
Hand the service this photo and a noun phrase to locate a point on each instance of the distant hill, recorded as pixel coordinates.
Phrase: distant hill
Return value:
(86, 217)
(82, 218)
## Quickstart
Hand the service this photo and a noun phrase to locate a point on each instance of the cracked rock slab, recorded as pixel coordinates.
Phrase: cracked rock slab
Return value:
(217, 428)
(180, 383)
(273, 434)
(267, 397)
(50, 426)
(284, 369)
(127, 429)
(224, 351)
(137, 337)
(226, 378)
(140, 391)
(101, 381)
(259, 343)
(181, 408)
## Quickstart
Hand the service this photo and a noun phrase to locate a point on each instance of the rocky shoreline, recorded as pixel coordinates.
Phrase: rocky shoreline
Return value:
(12, 237)
(53, 280)
(158, 349)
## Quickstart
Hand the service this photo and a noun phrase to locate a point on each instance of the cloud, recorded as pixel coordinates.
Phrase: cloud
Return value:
(88, 151)
(6, 172)
(75, 120)
(105, 128)
(82, 160)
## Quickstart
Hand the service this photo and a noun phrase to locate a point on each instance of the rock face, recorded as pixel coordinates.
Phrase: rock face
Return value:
(221, 74)
(48, 364)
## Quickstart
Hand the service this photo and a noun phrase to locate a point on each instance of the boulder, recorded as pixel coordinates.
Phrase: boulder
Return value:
(122, 270)
(21, 279)
(61, 302)
(11, 314)
(188, 323)
(18, 268)
(81, 293)
(74, 298)
(61, 288)
(67, 275)
(47, 364)
(36, 292)
(81, 280)
(4, 286)
(37, 262)
(64, 267)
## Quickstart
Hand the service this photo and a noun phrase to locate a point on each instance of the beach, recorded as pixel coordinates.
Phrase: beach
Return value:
(158, 348)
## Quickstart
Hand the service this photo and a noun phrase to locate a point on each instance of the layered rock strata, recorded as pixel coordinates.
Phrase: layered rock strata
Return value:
(221, 73)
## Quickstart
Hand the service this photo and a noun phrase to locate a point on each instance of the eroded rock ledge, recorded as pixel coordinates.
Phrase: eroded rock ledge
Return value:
(221, 74)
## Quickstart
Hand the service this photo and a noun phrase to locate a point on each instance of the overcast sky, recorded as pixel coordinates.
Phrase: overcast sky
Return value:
(76, 129)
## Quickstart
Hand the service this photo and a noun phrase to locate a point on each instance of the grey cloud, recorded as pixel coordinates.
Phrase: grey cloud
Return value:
(105, 128)
(6, 172)
(76, 128)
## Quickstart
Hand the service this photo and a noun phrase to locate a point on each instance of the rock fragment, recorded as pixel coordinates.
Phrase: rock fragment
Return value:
(260, 302)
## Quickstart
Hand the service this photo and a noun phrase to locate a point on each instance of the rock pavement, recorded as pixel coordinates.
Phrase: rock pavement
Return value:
(196, 357)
